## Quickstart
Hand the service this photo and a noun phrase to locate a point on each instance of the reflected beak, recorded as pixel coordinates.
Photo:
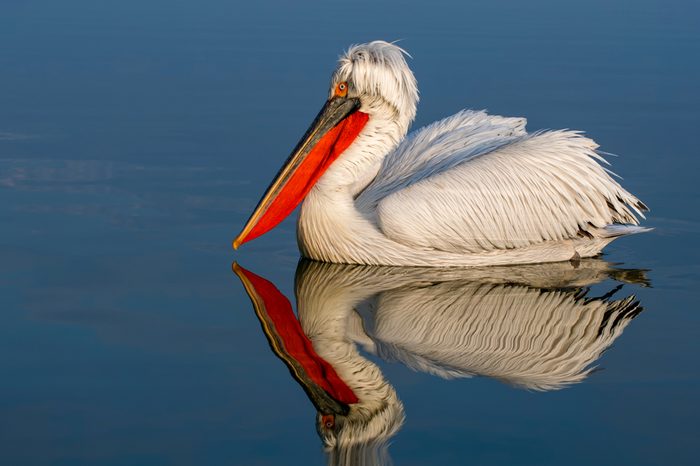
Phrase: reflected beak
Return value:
(334, 129)
(326, 390)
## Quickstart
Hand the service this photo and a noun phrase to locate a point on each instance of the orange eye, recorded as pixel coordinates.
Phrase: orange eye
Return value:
(341, 90)
(328, 420)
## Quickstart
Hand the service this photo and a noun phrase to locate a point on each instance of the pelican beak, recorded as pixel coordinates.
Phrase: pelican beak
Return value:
(334, 129)
(326, 390)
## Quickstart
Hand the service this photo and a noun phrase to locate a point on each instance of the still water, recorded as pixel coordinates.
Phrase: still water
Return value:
(136, 137)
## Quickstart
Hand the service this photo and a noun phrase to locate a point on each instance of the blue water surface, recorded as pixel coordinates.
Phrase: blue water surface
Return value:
(137, 136)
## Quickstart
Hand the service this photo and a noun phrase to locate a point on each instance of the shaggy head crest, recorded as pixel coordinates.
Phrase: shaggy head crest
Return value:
(379, 70)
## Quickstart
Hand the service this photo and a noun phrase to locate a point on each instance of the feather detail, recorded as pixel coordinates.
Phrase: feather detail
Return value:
(497, 192)
(470, 190)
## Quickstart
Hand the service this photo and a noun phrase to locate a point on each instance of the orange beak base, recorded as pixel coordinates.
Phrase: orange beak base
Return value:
(334, 129)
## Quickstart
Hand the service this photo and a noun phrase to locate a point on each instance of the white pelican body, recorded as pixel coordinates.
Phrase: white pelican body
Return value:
(470, 190)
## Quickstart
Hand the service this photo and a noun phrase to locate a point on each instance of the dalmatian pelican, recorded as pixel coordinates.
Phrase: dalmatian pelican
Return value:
(470, 190)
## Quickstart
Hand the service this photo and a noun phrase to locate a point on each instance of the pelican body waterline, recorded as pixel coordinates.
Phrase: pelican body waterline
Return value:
(470, 190)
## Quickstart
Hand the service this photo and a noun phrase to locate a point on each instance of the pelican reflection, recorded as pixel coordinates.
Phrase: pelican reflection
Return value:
(533, 326)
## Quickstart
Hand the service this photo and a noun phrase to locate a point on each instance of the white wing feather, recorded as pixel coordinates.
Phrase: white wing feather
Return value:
(478, 183)
(439, 147)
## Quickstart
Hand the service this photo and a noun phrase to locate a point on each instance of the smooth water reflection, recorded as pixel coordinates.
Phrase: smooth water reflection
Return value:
(135, 137)
(536, 327)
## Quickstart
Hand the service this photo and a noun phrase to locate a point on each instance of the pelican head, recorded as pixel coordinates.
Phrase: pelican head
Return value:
(373, 89)
(377, 74)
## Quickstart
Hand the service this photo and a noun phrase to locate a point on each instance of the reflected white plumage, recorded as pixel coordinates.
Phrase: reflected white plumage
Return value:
(532, 326)
(535, 326)
(470, 190)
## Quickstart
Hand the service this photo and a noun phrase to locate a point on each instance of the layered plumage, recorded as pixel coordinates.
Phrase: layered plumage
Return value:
(470, 190)
(476, 183)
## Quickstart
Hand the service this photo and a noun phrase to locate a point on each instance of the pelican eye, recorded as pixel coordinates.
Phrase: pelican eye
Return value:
(341, 89)
(328, 421)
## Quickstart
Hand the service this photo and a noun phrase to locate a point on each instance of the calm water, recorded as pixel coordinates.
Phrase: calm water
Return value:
(135, 138)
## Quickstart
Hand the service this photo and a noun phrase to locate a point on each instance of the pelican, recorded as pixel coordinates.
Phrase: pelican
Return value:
(530, 326)
(470, 190)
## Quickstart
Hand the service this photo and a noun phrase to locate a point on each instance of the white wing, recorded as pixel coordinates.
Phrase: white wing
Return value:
(477, 183)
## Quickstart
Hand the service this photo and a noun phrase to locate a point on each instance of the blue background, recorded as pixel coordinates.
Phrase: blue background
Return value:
(136, 137)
